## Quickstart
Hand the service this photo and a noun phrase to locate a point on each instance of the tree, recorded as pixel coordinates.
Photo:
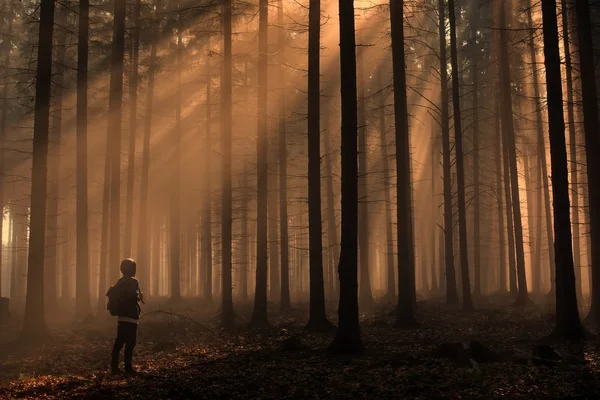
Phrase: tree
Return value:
(82, 290)
(476, 186)
(451, 292)
(317, 318)
(283, 212)
(226, 207)
(133, 92)
(592, 142)
(406, 295)
(347, 339)
(568, 325)
(500, 207)
(460, 174)
(259, 315)
(206, 234)
(143, 249)
(509, 138)
(115, 104)
(34, 324)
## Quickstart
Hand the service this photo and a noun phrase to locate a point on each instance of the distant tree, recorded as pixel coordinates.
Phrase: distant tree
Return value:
(460, 155)
(34, 324)
(259, 315)
(347, 339)
(568, 325)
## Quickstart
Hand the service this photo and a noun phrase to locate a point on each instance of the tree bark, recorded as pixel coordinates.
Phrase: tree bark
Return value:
(568, 325)
(34, 324)
(499, 193)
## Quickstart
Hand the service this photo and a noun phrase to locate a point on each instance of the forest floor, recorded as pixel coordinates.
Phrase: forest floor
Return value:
(186, 356)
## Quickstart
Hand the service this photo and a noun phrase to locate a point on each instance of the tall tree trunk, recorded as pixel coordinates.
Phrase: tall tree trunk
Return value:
(509, 137)
(332, 236)
(54, 175)
(433, 265)
(3, 121)
(317, 318)
(82, 289)
(207, 256)
(115, 104)
(347, 339)
(389, 235)
(143, 248)
(406, 278)
(451, 292)
(226, 195)
(244, 265)
(541, 150)
(34, 324)
(533, 240)
(102, 286)
(572, 150)
(133, 89)
(460, 174)
(283, 211)
(259, 315)
(568, 325)
(365, 296)
(476, 187)
(499, 194)
(592, 143)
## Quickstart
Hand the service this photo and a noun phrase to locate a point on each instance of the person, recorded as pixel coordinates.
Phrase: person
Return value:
(125, 296)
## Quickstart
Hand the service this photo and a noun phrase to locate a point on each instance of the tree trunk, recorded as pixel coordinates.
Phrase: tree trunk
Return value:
(54, 172)
(332, 235)
(226, 195)
(133, 89)
(115, 104)
(406, 283)
(499, 194)
(592, 143)
(476, 187)
(533, 240)
(568, 325)
(509, 137)
(207, 256)
(451, 292)
(143, 250)
(283, 211)
(347, 339)
(34, 324)
(460, 174)
(317, 318)
(259, 315)
(541, 150)
(82, 289)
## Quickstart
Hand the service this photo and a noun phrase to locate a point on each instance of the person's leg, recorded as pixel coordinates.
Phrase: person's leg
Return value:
(130, 345)
(119, 342)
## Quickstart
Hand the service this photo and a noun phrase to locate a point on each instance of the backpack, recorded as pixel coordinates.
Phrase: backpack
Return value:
(114, 300)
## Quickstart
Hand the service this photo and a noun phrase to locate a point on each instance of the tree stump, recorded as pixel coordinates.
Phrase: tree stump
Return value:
(4, 314)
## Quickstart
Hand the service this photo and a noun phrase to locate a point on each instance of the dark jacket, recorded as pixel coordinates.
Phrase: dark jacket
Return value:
(130, 292)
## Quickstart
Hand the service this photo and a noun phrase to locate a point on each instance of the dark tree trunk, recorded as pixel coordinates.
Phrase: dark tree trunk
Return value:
(572, 150)
(476, 187)
(406, 278)
(332, 235)
(226, 195)
(347, 339)
(143, 249)
(102, 285)
(509, 138)
(82, 290)
(541, 150)
(283, 211)
(133, 89)
(244, 265)
(34, 324)
(592, 143)
(568, 325)
(317, 318)
(259, 315)
(533, 240)
(460, 174)
(115, 104)
(54, 170)
(365, 296)
(499, 194)
(451, 292)
(207, 256)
